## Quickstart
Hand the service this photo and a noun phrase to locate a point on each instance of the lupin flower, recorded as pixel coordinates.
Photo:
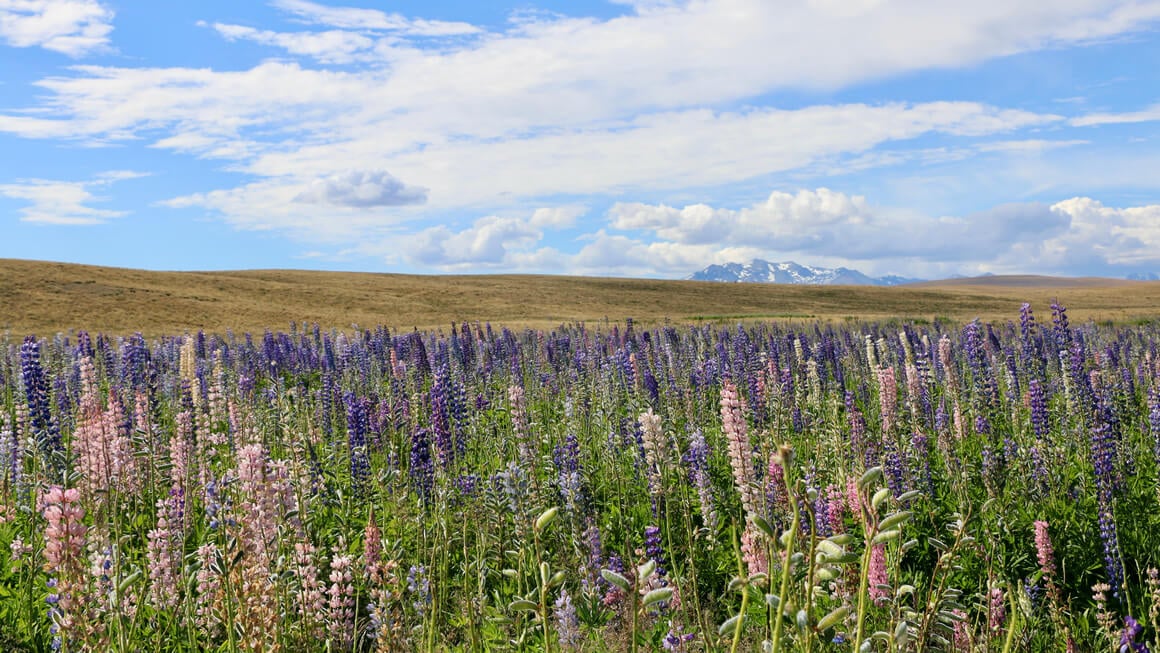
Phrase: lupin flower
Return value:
(567, 623)
(421, 470)
(997, 610)
(1130, 635)
(1044, 552)
(64, 543)
(655, 448)
(878, 578)
(567, 460)
(697, 458)
(340, 602)
(740, 451)
(40, 418)
(164, 552)
(888, 398)
(753, 551)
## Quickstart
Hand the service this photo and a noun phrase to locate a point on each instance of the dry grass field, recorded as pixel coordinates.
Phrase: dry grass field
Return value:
(43, 298)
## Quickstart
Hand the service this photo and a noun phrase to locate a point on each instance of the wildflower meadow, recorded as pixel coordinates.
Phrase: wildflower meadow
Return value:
(761, 487)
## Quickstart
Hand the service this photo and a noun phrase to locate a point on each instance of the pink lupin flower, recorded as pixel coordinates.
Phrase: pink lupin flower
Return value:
(65, 534)
(1043, 549)
(64, 543)
(653, 439)
(740, 451)
(877, 575)
(997, 610)
(340, 602)
(373, 550)
(888, 397)
(753, 551)
(310, 599)
(164, 553)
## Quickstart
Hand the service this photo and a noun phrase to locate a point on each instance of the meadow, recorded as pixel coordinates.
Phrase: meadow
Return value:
(47, 298)
(825, 486)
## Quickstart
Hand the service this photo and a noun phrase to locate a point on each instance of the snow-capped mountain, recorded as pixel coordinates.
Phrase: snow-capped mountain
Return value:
(760, 271)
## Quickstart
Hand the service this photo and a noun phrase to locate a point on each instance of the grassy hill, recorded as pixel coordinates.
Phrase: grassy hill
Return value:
(44, 298)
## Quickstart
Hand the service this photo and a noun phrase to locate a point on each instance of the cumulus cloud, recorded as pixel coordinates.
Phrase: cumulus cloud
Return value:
(491, 241)
(827, 223)
(65, 202)
(71, 27)
(362, 189)
(1101, 236)
(1075, 236)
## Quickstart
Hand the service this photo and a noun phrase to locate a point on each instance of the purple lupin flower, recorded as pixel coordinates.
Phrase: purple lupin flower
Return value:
(567, 460)
(894, 470)
(652, 548)
(421, 470)
(40, 418)
(358, 423)
(1129, 636)
(1103, 454)
(567, 623)
(1061, 329)
(920, 448)
(697, 458)
(1154, 420)
(441, 420)
(976, 355)
(858, 439)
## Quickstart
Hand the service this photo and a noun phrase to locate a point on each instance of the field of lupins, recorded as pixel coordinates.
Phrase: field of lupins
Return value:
(869, 487)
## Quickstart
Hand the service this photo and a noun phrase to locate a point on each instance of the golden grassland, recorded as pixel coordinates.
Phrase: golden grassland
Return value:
(46, 298)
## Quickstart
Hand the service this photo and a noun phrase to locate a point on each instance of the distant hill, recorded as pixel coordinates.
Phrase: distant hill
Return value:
(46, 298)
(762, 271)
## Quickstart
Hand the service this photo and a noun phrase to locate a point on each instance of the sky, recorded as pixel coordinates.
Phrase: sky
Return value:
(642, 138)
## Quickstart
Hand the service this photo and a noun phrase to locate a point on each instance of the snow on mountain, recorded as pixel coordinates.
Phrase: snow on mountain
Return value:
(760, 271)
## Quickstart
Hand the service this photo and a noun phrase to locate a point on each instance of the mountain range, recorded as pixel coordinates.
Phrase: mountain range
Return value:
(762, 271)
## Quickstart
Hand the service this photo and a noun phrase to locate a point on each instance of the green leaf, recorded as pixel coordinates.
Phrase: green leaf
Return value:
(836, 615)
(901, 634)
(546, 518)
(616, 579)
(895, 519)
(657, 595)
(869, 476)
(886, 536)
(762, 525)
(829, 548)
(646, 570)
(521, 604)
(731, 625)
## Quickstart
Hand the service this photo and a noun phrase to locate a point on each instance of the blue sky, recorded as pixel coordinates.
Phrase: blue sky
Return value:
(630, 138)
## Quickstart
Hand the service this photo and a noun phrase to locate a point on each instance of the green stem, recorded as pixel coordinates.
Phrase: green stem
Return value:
(1013, 625)
(785, 569)
(863, 582)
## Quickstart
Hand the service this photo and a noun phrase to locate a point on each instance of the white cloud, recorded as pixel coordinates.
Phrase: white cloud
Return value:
(1075, 236)
(1151, 114)
(331, 46)
(65, 202)
(1105, 236)
(492, 241)
(71, 27)
(371, 19)
(557, 106)
(362, 189)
